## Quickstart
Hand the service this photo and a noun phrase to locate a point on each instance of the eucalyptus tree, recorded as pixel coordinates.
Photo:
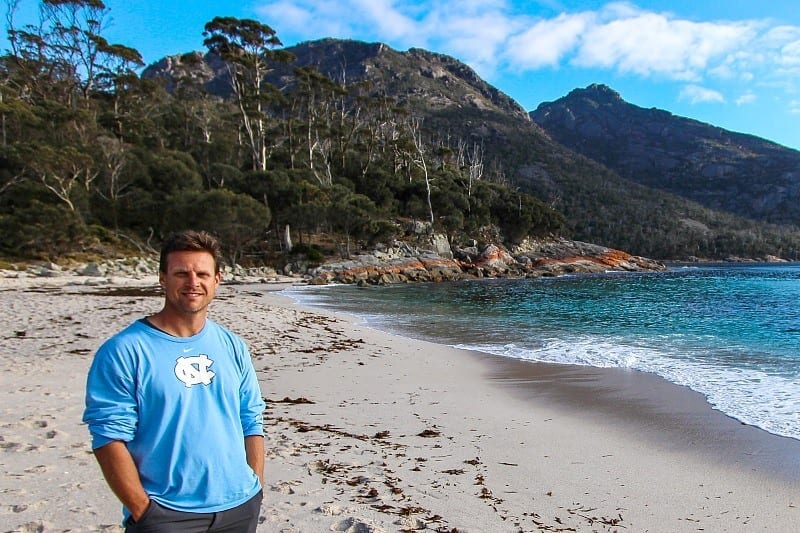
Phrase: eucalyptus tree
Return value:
(115, 184)
(64, 52)
(56, 77)
(316, 93)
(62, 170)
(12, 169)
(378, 127)
(250, 50)
(197, 121)
(240, 221)
(351, 214)
(417, 154)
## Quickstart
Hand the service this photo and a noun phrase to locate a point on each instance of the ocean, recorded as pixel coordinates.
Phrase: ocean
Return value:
(728, 331)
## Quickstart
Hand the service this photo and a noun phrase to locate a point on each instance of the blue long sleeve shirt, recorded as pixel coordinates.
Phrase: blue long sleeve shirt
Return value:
(183, 406)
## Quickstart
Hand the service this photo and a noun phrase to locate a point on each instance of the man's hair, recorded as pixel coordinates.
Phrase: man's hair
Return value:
(191, 241)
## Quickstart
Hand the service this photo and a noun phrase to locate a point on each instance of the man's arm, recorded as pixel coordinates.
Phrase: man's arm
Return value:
(122, 476)
(254, 449)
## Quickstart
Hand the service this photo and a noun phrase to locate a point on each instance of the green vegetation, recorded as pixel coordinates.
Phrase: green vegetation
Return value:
(86, 143)
(326, 147)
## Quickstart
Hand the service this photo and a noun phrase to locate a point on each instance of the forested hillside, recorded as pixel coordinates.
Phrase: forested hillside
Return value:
(329, 146)
(94, 154)
(599, 205)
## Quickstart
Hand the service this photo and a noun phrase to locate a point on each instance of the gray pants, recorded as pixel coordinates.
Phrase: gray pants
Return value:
(159, 519)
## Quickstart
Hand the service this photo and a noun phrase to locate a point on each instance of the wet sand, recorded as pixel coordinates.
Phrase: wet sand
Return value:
(668, 416)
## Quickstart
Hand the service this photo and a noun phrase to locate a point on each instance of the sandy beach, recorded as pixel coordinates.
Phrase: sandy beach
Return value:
(367, 431)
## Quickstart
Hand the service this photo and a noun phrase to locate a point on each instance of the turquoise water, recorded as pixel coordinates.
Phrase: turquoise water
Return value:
(730, 332)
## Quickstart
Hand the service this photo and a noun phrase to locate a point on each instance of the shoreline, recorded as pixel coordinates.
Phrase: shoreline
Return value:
(369, 431)
(759, 396)
(670, 421)
(667, 414)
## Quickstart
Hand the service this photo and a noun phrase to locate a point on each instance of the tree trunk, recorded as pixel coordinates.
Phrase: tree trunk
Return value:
(287, 239)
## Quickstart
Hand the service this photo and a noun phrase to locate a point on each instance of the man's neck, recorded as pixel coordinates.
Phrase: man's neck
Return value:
(178, 326)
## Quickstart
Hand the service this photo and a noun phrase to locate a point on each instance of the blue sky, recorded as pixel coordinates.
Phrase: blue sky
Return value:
(734, 64)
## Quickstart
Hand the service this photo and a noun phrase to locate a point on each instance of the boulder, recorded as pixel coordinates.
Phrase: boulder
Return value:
(94, 270)
(441, 245)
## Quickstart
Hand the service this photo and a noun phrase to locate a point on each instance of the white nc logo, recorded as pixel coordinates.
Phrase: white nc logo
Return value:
(194, 370)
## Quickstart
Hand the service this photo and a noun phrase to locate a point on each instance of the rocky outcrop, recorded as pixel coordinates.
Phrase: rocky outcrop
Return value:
(370, 269)
(441, 81)
(432, 260)
(403, 263)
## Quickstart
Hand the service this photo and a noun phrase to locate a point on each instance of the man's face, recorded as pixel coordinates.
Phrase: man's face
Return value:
(190, 281)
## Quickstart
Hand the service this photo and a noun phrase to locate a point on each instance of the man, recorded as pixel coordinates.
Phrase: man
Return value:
(175, 410)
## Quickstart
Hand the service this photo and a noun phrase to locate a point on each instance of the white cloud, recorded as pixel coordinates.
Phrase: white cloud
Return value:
(737, 65)
(290, 17)
(492, 35)
(473, 35)
(472, 30)
(794, 107)
(747, 98)
(777, 36)
(695, 94)
(648, 44)
(547, 42)
(790, 54)
(387, 20)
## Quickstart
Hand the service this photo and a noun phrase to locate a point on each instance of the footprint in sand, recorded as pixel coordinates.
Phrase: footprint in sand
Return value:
(56, 433)
(9, 446)
(329, 510)
(34, 527)
(35, 504)
(284, 487)
(411, 523)
(19, 508)
(18, 447)
(37, 423)
(354, 525)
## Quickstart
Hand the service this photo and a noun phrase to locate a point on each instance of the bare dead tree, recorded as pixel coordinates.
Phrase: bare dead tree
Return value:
(417, 157)
(475, 166)
(60, 170)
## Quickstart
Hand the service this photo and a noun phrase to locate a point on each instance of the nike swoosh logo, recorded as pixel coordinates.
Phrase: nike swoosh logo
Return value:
(188, 350)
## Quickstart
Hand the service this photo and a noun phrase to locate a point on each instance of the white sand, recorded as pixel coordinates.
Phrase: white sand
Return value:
(399, 434)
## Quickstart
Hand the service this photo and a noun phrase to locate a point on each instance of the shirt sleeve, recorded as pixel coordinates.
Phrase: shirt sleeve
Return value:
(251, 402)
(111, 409)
